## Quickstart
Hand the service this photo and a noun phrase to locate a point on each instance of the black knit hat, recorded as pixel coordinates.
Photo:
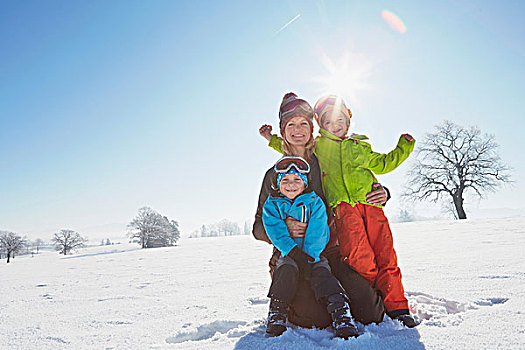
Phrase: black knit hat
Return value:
(292, 106)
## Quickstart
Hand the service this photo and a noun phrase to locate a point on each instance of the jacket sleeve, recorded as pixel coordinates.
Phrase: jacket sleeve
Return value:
(276, 143)
(276, 228)
(317, 233)
(258, 230)
(384, 163)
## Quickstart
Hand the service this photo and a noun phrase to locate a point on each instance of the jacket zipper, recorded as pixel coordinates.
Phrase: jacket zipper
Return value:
(303, 219)
(342, 170)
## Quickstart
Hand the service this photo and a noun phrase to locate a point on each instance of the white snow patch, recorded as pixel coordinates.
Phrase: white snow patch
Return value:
(258, 300)
(206, 331)
(461, 278)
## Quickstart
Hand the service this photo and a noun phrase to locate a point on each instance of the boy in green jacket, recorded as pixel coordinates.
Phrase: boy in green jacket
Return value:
(347, 166)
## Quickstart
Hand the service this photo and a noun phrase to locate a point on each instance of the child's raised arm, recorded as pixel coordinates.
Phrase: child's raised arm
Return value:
(385, 163)
(275, 141)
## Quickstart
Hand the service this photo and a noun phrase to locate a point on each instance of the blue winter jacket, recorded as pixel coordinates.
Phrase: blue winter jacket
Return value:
(307, 207)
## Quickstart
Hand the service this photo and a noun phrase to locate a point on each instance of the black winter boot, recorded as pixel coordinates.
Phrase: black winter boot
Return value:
(343, 322)
(276, 322)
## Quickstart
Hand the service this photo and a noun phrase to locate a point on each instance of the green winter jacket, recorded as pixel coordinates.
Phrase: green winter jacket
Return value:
(348, 165)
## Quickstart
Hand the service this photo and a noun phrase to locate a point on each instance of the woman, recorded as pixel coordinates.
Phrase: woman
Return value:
(295, 121)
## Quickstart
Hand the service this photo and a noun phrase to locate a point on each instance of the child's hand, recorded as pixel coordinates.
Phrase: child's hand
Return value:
(296, 228)
(408, 137)
(266, 131)
(378, 195)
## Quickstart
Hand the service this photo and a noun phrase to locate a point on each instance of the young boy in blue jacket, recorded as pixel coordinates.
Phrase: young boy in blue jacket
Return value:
(301, 255)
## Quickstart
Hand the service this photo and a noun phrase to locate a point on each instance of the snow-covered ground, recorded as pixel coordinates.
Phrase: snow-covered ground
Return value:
(465, 280)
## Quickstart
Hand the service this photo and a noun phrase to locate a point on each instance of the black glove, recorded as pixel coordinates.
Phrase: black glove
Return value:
(302, 260)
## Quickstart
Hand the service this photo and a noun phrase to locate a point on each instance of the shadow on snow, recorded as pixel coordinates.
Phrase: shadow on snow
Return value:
(387, 335)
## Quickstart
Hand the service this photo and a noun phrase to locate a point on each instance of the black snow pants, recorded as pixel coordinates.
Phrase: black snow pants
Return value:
(305, 296)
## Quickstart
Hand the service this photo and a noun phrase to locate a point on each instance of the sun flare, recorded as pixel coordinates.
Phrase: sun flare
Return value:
(394, 21)
(346, 77)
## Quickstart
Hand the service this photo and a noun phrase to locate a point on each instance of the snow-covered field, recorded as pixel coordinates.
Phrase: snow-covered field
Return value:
(465, 280)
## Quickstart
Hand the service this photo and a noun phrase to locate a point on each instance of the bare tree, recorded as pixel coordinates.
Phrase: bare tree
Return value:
(173, 232)
(228, 228)
(453, 160)
(224, 227)
(145, 225)
(405, 216)
(65, 240)
(247, 228)
(153, 229)
(38, 243)
(204, 231)
(11, 243)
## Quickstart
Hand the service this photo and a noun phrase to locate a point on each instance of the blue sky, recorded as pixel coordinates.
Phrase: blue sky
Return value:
(107, 106)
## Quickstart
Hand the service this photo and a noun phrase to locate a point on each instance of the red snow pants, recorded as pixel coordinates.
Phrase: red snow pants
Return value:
(365, 242)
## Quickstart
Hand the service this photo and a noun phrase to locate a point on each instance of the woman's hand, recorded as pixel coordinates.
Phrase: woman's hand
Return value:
(266, 131)
(296, 228)
(378, 195)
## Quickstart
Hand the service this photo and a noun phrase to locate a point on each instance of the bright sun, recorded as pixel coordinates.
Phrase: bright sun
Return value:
(347, 76)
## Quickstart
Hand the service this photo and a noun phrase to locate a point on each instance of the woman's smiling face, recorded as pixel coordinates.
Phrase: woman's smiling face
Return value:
(298, 131)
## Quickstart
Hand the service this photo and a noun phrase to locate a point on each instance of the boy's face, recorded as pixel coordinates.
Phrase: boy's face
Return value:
(291, 186)
(336, 124)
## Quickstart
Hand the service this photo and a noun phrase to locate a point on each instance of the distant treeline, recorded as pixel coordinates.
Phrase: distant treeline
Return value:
(224, 227)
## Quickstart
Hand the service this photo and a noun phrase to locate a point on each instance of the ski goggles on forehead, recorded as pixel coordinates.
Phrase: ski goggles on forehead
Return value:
(299, 107)
(286, 163)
